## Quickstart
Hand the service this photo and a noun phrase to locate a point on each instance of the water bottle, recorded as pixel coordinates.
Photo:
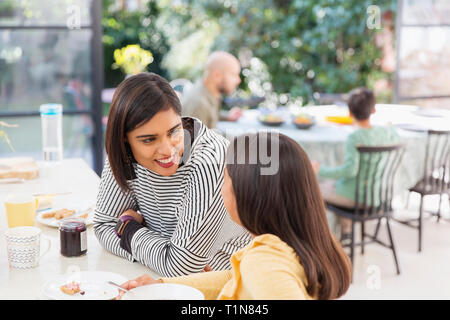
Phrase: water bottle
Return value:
(52, 141)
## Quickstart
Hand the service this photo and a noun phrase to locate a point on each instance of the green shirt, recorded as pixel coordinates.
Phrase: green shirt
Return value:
(346, 173)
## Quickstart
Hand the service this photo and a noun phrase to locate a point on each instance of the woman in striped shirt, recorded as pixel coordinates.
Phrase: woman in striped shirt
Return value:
(159, 201)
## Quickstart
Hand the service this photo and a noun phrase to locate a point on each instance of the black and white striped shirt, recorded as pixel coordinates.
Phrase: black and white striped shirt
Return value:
(186, 223)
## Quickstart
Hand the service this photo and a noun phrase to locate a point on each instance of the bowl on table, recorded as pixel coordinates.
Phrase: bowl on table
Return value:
(271, 120)
(303, 121)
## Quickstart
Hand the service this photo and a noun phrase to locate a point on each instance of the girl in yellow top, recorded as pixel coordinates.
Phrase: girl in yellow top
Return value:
(293, 254)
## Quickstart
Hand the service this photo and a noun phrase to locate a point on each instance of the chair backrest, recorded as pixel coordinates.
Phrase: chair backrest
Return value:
(437, 154)
(377, 168)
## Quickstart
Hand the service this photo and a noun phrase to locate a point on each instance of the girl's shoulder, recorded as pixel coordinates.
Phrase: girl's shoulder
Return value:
(268, 253)
(267, 245)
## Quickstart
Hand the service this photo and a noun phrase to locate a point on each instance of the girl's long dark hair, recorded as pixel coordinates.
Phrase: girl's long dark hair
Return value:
(289, 205)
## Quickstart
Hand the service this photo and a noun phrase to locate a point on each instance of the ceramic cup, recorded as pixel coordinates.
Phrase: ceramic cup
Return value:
(23, 245)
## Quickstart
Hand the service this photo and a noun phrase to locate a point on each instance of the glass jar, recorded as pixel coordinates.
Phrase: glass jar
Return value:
(73, 236)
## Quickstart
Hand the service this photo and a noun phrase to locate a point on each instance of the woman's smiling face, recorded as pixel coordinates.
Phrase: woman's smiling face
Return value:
(158, 144)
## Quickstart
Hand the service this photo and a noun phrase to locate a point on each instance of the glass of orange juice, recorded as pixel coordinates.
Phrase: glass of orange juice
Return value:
(20, 210)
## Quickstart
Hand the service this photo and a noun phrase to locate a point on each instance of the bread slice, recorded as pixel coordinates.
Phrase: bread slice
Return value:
(21, 167)
(58, 214)
(63, 213)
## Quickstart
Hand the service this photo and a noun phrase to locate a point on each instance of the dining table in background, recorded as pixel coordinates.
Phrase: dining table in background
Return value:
(325, 141)
(78, 185)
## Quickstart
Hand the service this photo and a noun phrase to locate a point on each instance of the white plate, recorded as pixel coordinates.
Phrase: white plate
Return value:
(52, 222)
(164, 291)
(93, 283)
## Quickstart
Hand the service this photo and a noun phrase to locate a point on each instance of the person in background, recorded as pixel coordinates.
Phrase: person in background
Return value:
(293, 254)
(340, 185)
(221, 77)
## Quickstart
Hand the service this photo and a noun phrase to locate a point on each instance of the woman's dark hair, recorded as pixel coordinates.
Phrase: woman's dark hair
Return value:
(361, 103)
(289, 205)
(136, 100)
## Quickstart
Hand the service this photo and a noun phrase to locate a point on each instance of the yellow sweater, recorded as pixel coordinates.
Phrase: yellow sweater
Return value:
(267, 268)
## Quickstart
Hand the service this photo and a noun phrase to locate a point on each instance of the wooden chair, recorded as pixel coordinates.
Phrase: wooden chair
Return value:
(373, 197)
(435, 179)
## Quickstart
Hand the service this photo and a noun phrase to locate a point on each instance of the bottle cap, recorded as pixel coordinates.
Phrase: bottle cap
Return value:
(72, 225)
(50, 109)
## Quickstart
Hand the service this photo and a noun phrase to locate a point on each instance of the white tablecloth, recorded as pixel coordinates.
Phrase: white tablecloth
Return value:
(75, 176)
(325, 141)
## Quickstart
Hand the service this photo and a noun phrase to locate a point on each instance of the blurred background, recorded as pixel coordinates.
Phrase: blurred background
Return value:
(302, 52)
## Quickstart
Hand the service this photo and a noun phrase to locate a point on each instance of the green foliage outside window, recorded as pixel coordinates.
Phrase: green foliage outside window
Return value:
(122, 28)
(305, 46)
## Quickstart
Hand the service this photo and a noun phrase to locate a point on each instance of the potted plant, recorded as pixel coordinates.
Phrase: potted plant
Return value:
(132, 59)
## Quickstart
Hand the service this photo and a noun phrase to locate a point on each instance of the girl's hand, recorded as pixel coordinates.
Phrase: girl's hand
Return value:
(138, 282)
(207, 268)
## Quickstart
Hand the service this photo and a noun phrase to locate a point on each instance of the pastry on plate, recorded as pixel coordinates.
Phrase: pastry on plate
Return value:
(58, 214)
(71, 288)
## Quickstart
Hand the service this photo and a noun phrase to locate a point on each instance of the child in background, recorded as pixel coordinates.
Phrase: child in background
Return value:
(340, 191)
(293, 254)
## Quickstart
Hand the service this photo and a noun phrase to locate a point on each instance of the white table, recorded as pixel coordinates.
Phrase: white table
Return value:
(75, 176)
(325, 141)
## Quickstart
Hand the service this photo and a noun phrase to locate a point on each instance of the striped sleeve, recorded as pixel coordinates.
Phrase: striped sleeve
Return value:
(111, 203)
(201, 214)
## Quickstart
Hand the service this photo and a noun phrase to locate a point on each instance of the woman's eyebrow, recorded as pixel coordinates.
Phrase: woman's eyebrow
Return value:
(147, 136)
(155, 135)
(174, 127)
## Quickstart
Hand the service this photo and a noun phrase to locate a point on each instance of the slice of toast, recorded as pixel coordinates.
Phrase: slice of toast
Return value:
(49, 215)
(22, 168)
(63, 213)
(58, 214)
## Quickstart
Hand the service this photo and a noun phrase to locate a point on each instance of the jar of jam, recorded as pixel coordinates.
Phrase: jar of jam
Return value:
(73, 236)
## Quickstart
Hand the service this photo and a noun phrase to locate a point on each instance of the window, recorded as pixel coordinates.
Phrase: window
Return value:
(423, 53)
(51, 52)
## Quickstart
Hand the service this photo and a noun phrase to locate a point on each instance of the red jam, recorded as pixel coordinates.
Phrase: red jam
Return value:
(73, 236)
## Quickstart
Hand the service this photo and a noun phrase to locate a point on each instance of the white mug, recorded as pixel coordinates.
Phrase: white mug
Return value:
(23, 246)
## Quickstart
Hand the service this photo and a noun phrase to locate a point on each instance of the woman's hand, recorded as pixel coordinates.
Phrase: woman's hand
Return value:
(138, 282)
(134, 214)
